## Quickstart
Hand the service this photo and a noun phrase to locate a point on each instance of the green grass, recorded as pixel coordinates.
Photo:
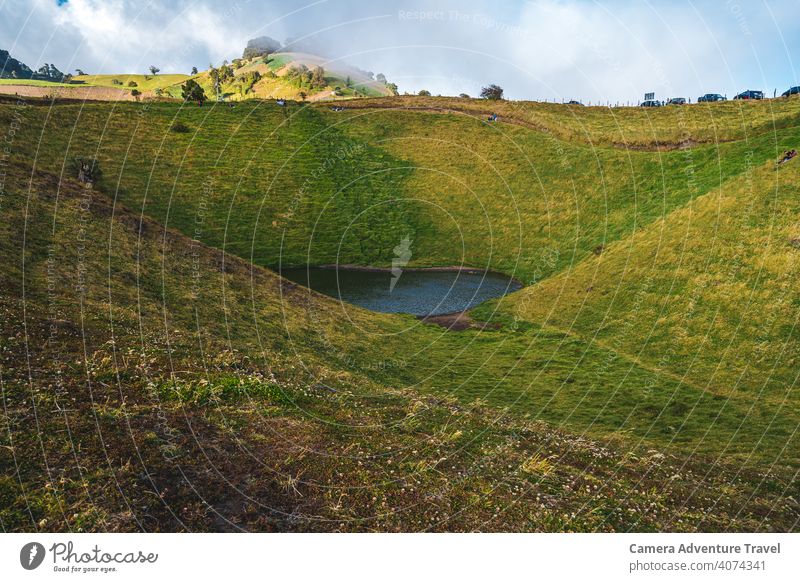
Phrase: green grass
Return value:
(707, 294)
(528, 204)
(143, 82)
(304, 185)
(227, 389)
(36, 83)
(633, 127)
(280, 60)
(280, 168)
(658, 315)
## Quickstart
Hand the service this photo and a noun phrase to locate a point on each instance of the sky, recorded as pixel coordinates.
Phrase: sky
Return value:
(593, 51)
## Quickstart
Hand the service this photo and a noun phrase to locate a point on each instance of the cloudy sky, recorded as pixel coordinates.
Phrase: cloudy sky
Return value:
(549, 49)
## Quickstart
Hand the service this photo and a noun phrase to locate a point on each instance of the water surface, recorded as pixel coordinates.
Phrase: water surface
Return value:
(418, 292)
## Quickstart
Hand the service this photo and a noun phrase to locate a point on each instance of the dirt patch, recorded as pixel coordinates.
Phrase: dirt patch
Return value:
(666, 146)
(78, 93)
(458, 321)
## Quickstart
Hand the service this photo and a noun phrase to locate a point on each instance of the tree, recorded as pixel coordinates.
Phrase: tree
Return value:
(393, 88)
(225, 74)
(79, 72)
(463, 95)
(214, 75)
(158, 91)
(493, 92)
(194, 70)
(49, 71)
(154, 70)
(424, 93)
(135, 93)
(303, 95)
(133, 84)
(247, 81)
(192, 91)
(381, 78)
(318, 78)
(260, 47)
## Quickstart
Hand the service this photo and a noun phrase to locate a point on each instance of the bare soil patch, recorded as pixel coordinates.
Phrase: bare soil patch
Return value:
(80, 93)
(458, 321)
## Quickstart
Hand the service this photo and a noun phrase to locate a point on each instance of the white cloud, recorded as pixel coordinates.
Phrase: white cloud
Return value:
(540, 49)
(120, 34)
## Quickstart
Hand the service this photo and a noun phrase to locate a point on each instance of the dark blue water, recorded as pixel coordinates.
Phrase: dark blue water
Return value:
(421, 292)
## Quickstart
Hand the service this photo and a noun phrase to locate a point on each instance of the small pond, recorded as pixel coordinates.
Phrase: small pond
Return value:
(415, 291)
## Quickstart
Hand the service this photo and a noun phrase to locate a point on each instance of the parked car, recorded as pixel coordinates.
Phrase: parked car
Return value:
(573, 102)
(750, 95)
(791, 91)
(651, 103)
(711, 97)
(677, 101)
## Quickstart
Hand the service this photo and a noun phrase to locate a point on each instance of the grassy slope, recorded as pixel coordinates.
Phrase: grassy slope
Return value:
(239, 178)
(282, 169)
(34, 83)
(149, 382)
(306, 187)
(682, 370)
(632, 127)
(543, 372)
(709, 294)
(336, 73)
(143, 82)
(542, 203)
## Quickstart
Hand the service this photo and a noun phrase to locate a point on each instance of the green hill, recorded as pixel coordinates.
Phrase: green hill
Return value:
(283, 75)
(286, 75)
(642, 380)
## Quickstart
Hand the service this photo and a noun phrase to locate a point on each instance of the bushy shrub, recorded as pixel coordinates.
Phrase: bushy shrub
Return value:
(178, 127)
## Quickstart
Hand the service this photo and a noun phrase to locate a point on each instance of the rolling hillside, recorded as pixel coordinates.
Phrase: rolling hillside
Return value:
(281, 75)
(644, 379)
